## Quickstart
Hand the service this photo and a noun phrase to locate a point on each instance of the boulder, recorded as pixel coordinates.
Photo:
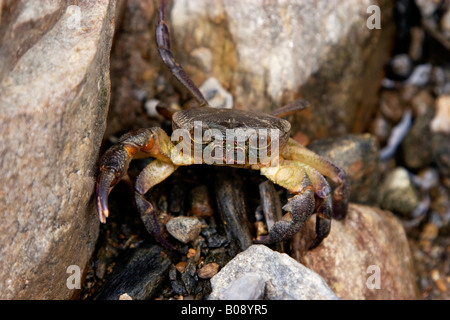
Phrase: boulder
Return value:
(365, 256)
(54, 96)
(265, 54)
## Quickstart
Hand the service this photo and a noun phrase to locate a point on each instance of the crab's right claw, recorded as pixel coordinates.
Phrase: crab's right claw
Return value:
(104, 186)
(113, 165)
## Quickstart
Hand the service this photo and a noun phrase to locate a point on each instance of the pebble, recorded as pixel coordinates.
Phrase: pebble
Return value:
(441, 121)
(208, 270)
(401, 65)
(184, 229)
(397, 192)
(216, 95)
(261, 273)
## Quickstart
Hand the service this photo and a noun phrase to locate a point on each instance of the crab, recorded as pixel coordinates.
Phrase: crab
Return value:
(289, 165)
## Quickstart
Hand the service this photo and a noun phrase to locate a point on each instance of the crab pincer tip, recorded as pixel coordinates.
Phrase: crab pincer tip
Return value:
(104, 182)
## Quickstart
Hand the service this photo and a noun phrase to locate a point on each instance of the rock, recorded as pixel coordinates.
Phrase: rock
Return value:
(441, 155)
(248, 286)
(415, 147)
(441, 121)
(184, 229)
(401, 65)
(134, 66)
(208, 270)
(259, 267)
(397, 192)
(357, 155)
(139, 275)
(368, 244)
(266, 55)
(216, 95)
(55, 88)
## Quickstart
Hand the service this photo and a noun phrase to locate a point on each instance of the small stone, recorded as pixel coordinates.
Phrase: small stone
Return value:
(150, 108)
(283, 278)
(180, 266)
(401, 65)
(429, 233)
(191, 253)
(183, 228)
(445, 23)
(415, 147)
(125, 296)
(216, 95)
(441, 121)
(208, 270)
(397, 193)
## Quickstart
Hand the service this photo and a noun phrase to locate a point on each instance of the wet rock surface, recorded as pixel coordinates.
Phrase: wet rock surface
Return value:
(54, 96)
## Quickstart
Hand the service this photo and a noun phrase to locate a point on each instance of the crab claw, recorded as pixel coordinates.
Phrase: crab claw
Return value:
(104, 186)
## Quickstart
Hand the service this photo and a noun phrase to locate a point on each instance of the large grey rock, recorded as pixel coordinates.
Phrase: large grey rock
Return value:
(54, 96)
(261, 273)
(264, 53)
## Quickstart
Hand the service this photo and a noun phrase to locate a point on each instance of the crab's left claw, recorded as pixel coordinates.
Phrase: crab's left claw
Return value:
(104, 182)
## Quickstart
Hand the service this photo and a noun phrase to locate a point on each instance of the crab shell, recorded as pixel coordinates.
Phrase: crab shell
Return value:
(231, 120)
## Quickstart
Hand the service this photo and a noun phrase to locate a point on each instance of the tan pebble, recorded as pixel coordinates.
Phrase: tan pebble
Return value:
(208, 270)
(191, 253)
(180, 266)
(125, 296)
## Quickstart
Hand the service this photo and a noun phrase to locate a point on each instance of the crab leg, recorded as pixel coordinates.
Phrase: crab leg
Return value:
(154, 173)
(295, 151)
(163, 42)
(114, 163)
(291, 176)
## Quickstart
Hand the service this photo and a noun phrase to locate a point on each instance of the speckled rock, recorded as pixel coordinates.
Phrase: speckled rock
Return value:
(267, 274)
(54, 96)
(365, 256)
(184, 229)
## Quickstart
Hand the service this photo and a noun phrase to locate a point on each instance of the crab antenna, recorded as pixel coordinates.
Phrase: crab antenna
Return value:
(163, 42)
(291, 108)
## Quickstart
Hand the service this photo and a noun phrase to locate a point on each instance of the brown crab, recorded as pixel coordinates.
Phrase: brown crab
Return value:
(296, 168)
